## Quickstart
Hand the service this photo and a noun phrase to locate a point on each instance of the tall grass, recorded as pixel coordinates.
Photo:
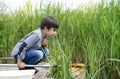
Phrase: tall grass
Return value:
(88, 34)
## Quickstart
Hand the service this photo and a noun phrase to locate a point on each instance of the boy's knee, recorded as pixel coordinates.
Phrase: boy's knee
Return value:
(39, 55)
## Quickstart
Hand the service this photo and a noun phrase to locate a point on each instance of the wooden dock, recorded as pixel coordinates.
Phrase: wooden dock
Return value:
(77, 73)
(9, 60)
(40, 75)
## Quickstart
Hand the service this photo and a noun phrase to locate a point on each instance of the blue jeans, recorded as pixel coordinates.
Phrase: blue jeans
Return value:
(33, 57)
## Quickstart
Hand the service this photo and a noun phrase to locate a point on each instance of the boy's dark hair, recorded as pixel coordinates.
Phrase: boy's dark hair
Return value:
(49, 22)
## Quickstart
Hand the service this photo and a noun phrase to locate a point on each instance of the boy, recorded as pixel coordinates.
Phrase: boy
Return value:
(27, 50)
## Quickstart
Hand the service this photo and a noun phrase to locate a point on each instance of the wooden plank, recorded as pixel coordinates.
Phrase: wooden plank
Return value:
(40, 75)
(15, 65)
(6, 58)
(17, 74)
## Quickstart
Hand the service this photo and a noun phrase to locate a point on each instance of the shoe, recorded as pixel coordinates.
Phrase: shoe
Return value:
(36, 71)
(26, 68)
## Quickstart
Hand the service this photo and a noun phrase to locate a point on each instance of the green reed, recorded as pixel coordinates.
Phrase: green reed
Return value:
(89, 34)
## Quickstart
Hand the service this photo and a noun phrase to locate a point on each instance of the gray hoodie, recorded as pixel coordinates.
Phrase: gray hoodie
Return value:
(33, 41)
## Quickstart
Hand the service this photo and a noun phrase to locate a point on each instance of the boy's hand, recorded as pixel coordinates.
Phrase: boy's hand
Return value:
(45, 42)
(20, 64)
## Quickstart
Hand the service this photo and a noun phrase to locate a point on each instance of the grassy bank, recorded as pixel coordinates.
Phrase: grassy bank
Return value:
(89, 34)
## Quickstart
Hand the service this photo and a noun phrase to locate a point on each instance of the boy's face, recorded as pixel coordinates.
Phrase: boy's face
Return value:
(51, 32)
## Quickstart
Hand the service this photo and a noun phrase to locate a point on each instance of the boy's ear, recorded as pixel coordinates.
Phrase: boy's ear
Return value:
(46, 28)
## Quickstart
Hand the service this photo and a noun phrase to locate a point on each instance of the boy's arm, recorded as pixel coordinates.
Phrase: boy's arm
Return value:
(44, 42)
(20, 64)
(26, 44)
